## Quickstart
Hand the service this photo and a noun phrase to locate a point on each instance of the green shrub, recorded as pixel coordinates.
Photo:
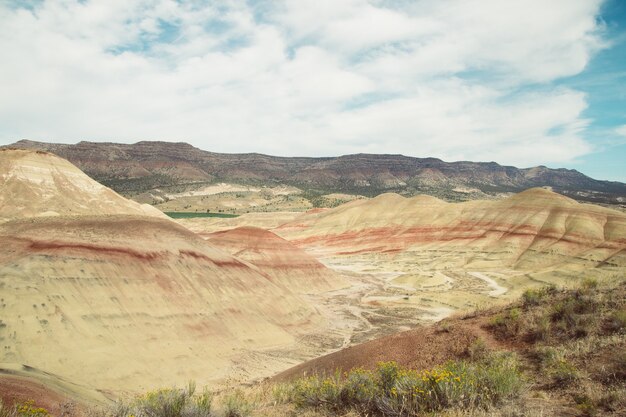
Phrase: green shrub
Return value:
(616, 322)
(169, 402)
(589, 284)
(540, 329)
(315, 391)
(393, 391)
(563, 373)
(532, 297)
(573, 316)
(237, 405)
(548, 356)
(477, 350)
(586, 405)
(509, 324)
(358, 389)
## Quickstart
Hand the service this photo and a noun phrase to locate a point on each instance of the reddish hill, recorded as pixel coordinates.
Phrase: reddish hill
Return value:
(534, 228)
(119, 301)
(278, 258)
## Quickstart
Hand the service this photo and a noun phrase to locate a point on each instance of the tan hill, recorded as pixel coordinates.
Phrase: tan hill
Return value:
(279, 259)
(267, 221)
(522, 223)
(122, 301)
(125, 302)
(454, 255)
(42, 184)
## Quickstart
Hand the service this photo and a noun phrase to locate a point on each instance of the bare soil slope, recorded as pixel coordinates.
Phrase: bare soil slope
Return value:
(136, 301)
(42, 184)
(125, 301)
(278, 258)
(21, 384)
(533, 228)
(447, 256)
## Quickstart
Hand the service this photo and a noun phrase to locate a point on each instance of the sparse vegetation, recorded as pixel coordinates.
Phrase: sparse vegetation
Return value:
(191, 214)
(237, 404)
(393, 391)
(24, 409)
(169, 402)
(616, 322)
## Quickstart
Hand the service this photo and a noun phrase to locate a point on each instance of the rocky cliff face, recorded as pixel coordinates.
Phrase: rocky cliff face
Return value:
(147, 165)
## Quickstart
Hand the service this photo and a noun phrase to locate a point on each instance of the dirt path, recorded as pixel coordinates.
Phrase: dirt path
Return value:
(497, 290)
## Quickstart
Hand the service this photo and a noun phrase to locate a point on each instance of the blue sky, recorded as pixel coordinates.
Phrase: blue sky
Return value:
(604, 82)
(522, 83)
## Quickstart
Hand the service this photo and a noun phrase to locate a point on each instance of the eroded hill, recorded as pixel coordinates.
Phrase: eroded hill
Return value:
(95, 287)
(35, 184)
(457, 255)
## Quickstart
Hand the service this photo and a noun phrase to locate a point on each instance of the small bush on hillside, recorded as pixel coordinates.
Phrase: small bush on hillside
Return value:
(616, 322)
(393, 391)
(25, 409)
(167, 402)
(534, 296)
(563, 373)
(237, 405)
(507, 324)
(589, 284)
(573, 316)
(539, 328)
(477, 350)
(548, 356)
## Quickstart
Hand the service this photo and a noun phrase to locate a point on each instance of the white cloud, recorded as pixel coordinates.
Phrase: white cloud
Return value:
(621, 130)
(457, 79)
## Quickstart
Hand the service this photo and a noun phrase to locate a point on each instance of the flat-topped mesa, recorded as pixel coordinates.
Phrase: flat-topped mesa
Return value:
(278, 258)
(36, 183)
(161, 164)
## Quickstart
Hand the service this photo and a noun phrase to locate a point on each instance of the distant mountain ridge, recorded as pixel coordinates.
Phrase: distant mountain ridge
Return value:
(139, 167)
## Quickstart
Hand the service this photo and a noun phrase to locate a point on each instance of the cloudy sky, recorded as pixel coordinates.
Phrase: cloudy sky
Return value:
(523, 82)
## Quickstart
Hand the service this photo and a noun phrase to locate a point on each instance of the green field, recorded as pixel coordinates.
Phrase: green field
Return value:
(192, 214)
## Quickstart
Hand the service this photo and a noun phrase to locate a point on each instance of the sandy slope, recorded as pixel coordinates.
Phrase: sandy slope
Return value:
(38, 184)
(278, 258)
(458, 255)
(108, 297)
(130, 302)
(522, 230)
(21, 383)
(207, 225)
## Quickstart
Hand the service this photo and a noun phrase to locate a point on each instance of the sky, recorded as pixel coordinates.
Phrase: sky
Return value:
(518, 82)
